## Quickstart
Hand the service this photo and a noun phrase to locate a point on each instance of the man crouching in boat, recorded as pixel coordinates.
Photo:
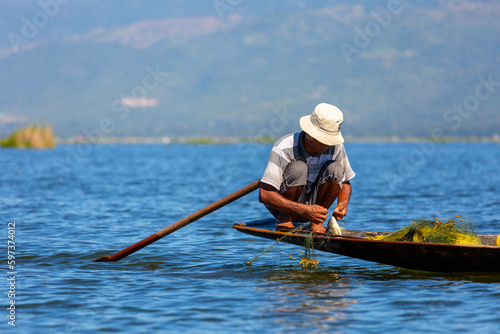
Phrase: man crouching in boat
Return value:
(307, 171)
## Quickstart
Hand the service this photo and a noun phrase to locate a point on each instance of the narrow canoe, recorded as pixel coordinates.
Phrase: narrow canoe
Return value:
(435, 257)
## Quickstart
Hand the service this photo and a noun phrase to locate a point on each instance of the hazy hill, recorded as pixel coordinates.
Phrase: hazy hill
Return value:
(253, 72)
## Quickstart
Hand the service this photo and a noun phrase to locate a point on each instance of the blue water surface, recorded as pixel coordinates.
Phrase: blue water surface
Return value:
(75, 203)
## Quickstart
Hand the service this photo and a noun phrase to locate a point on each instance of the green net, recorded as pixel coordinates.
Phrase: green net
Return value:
(306, 259)
(459, 230)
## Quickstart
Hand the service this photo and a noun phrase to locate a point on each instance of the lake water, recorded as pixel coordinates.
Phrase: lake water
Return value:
(76, 203)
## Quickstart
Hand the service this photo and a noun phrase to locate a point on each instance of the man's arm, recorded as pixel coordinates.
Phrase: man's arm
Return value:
(269, 196)
(343, 200)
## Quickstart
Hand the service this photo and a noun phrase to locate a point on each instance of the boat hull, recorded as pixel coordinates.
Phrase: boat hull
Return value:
(433, 257)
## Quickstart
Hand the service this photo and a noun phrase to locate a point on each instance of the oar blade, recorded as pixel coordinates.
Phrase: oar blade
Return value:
(105, 258)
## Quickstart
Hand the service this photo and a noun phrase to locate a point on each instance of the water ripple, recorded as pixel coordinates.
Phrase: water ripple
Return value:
(197, 279)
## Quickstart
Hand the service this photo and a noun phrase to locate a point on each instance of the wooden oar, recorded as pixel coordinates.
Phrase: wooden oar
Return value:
(180, 224)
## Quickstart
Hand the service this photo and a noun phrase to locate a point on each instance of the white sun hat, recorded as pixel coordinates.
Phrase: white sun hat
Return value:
(324, 124)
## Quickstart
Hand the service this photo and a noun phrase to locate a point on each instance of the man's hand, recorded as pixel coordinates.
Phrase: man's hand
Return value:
(316, 214)
(340, 211)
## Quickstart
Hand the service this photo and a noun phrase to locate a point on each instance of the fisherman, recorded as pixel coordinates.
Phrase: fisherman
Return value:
(307, 171)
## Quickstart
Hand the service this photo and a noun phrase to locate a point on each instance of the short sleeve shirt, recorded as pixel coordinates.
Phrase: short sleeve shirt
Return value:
(290, 148)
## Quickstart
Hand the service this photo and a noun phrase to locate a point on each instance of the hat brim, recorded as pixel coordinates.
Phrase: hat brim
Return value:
(330, 139)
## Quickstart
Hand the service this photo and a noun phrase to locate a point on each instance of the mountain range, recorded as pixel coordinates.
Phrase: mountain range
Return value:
(241, 68)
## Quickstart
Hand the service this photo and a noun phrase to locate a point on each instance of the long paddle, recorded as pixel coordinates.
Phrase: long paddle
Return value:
(180, 224)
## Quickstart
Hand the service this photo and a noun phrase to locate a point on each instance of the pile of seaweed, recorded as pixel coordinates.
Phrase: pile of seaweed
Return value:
(459, 231)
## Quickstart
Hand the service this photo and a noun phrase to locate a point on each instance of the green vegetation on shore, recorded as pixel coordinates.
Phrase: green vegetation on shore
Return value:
(204, 141)
(271, 140)
(31, 136)
(210, 140)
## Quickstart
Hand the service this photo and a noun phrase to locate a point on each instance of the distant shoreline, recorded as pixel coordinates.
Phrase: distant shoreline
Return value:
(268, 140)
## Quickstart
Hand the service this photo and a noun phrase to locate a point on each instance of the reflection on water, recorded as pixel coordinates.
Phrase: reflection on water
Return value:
(308, 299)
(394, 273)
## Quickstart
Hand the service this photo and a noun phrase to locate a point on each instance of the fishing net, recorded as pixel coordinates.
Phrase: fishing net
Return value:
(459, 230)
(305, 259)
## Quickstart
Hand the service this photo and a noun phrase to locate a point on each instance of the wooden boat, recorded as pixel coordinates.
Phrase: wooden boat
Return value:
(435, 257)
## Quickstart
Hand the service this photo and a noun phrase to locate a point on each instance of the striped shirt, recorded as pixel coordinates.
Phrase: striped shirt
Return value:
(290, 148)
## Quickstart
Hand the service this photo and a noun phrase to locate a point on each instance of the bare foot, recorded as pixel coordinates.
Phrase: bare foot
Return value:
(284, 226)
(318, 228)
(284, 222)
